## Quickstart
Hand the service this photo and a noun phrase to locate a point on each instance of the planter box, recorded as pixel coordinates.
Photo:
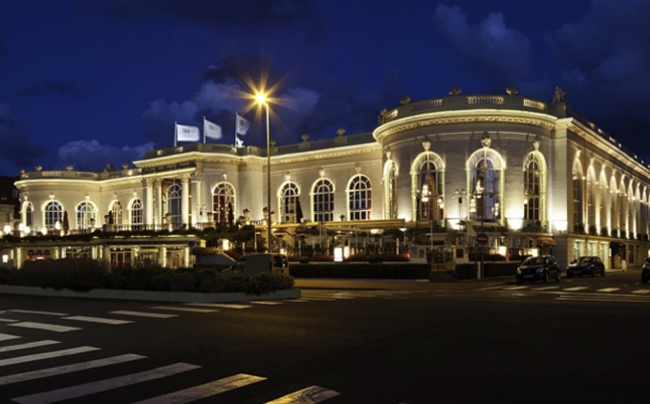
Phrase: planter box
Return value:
(150, 295)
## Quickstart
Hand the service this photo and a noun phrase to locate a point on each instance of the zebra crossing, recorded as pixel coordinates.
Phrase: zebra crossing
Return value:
(586, 293)
(120, 379)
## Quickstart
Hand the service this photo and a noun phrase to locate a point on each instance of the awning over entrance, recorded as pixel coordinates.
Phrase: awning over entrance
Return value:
(546, 241)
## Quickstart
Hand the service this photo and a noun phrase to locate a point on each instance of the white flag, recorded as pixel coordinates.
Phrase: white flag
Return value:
(242, 125)
(211, 130)
(186, 133)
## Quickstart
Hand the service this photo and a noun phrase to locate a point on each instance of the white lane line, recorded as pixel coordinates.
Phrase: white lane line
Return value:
(515, 287)
(265, 302)
(204, 390)
(607, 290)
(75, 367)
(28, 345)
(43, 326)
(8, 320)
(547, 288)
(313, 394)
(5, 337)
(82, 390)
(491, 287)
(221, 305)
(46, 355)
(143, 314)
(98, 320)
(642, 291)
(46, 313)
(576, 288)
(183, 309)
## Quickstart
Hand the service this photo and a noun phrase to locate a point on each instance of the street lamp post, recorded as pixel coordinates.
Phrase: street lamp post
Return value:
(262, 100)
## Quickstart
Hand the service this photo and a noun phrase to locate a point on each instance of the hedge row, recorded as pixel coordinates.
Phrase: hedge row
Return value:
(491, 269)
(86, 274)
(361, 270)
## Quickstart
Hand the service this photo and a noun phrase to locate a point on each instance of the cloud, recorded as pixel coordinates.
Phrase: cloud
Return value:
(90, 155)
(607, 66)
(488, 47)
(17, 145)
(58, 88)
(240, 14)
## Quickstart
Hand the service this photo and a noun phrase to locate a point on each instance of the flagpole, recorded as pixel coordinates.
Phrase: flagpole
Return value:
(175, 132)
(236, 123)
(203, 129)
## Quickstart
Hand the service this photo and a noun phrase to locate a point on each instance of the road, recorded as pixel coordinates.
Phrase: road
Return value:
(583, 339)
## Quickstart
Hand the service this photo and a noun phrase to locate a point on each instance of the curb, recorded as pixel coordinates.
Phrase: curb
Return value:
(150, 295)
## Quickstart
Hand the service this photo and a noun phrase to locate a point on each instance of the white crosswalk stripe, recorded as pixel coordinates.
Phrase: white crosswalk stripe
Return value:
(7, 320)
(45, 313)
(575, 288)
(309, 395)
(204, 390)
(266, 302)
(46, 355)
(86, 389)
(28, 345)
(642, 291)
(221, 305)
(607, 290)
(547, 288)
(5, 337)
(75, 367)
(43, 326)
(143, 314)
(188, 309)
(98, 320)
(515, 287)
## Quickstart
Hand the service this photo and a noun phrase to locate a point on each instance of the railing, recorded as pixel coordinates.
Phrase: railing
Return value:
(485, 99)
(534, 104)
(426, 105)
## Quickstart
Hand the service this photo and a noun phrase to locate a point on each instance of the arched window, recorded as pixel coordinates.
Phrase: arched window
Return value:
(613, 206)
(578, 219)
(622, 209)
(359, 198)
(602, 201)
(223, 196)
(53, 213)
(390, 190)
(592, 190)
(485, 169)
(323, 201)
(289, 194)
(116, 211)
(86, 215)
(136, 215)
(534, 190)
(174, 203)
(28, 211)
(427, 179)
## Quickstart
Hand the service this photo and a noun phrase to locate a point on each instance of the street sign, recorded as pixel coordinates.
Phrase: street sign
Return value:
(482, 238)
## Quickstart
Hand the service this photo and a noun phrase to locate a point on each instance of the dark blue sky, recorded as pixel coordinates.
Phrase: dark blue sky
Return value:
(94, 82)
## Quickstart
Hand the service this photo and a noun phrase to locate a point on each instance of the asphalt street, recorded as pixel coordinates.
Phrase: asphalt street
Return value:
(583, 339)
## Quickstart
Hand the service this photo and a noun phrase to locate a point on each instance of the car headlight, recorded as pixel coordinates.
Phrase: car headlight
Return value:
(518, 271)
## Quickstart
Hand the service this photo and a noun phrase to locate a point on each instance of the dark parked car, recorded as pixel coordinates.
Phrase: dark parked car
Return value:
(590, 265)
(542, 268)
(645, 271)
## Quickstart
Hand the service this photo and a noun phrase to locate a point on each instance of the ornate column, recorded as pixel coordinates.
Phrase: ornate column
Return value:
(149, 184)
(197, 198)
(185, 199)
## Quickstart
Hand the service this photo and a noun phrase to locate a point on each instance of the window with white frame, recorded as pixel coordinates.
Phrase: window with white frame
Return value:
(289, 194)
(53, 214)
(137, 219)
(116, 212)
(223, 199)
(28, 211)
(86, 215)
(323, 201)
(359, 198)
(174, 203)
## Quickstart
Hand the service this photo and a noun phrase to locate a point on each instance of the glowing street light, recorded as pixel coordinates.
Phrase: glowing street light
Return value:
(262, 100)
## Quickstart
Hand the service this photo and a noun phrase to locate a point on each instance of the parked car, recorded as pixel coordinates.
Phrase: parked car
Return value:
(645, 271)
(588, 265)
(542, 268)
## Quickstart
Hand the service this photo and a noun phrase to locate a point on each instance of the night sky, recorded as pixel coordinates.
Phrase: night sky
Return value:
(94, 82)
